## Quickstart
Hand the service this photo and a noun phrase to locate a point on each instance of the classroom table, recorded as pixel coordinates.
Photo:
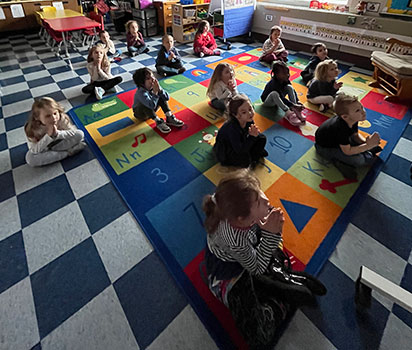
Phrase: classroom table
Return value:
(58, 14)
(70, 24)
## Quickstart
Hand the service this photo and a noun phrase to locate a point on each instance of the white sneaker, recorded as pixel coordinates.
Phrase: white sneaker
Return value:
(99, 92)
(201, 54)
(161, 125)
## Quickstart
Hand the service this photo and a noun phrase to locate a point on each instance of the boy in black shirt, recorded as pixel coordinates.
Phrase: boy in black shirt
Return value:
(168, 61)
(338, 139)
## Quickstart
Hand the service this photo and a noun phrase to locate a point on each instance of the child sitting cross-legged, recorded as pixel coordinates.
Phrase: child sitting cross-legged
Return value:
(320, 53)
(135, 41)
(222, 86)
(324, 87)
(149, 97)
(339, 141)
(273, 48)
(245, 262)
(50, 134)
(108, 44)
(168, 61)
(239, 141)
(204, 43)
(275, 93)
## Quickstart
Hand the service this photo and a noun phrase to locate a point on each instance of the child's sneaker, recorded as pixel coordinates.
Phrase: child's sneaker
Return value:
(161, 125)
(182, 70)
(292, 118)
(216, 52)
(99, 92)
(173, 121)
(322, 107)
(201, 55)
(146, 50)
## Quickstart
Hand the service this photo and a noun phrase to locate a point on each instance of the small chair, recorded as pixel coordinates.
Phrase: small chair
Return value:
(48, 9)
(393, 71)
(89, 35)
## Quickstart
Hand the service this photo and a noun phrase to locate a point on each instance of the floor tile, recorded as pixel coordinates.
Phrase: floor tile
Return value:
(55, 64)
(13, 264)
(309, 336)
(101, 207)
(406, 284)
(31, 211)
(397, 335)
(36, 75)
(30, 62)
(16, 137)
(53, 235)
(384, 225)
(87, 178)
(121, 245)
(336, 311)
(16, 121)
(393, 193)
(12, 81)
(148, 309)
(17, 108)
(184, 332)
(403, 149)
(44, 90)
(398, 168)
(11, 89)
(80, 158)
(19, 326)
(3, 142)
(10, 219)
(16, 97)
(27, 177)
(40, 82)
(32, 69)
(356, 248)
(64, 76)
(6, 186)
(110, 332)
(18, 155)
(64, 286)
(70, 83)
(5, 162)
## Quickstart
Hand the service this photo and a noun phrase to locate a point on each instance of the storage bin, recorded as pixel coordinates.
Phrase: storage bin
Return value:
(186, 2)
(218, 17)
(149, 31)
(149, 23)
(189, 12)
(218, 31)
(146, 13)
(198, 1)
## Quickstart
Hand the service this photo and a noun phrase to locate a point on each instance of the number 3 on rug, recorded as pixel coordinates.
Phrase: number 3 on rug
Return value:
(158, 172)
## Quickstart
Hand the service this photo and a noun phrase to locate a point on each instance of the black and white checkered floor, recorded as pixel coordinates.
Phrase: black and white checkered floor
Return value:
(98, 284)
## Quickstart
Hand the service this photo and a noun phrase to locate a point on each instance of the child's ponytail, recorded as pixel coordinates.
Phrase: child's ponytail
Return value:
(212, 214)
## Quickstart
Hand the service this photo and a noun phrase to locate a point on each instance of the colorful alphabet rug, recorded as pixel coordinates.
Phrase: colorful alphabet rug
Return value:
(164, 177)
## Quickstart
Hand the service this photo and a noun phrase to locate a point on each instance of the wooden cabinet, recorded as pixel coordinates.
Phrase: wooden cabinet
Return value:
(164, 14)
(29, 8)
(185, 19)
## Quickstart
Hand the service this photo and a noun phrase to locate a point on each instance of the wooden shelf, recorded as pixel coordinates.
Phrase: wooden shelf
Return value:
(184, 16)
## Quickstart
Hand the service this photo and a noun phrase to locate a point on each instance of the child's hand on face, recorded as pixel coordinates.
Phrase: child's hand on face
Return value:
(171, 55)
(51, 130)
(337, 85)
(274, 221)
(231, 84)
(254, 130)
(156, 87)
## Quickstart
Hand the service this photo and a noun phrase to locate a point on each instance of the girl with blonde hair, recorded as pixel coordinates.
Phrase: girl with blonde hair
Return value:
(222, 86)
(101, 79)
(324, 87)
(50, 134)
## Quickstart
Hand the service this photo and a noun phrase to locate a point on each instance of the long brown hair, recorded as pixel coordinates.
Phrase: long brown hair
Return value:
(233, 199)
(34, 128)
(234, 103)
(217, 76)
(105, 61)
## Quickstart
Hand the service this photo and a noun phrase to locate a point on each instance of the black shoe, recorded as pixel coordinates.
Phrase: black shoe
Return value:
(146, 50)
(264, 153)
(376, 150)
(315, 286)
(349, 172)
(182, 70)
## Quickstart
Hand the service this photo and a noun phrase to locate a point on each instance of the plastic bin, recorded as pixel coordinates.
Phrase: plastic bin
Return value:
(143, 14)
(186, 2)
(119, 19)
(149, 31)
(189, 12)
(149, 23)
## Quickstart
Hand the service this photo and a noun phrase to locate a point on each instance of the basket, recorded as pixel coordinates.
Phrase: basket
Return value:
(189, 12)
(186, 2)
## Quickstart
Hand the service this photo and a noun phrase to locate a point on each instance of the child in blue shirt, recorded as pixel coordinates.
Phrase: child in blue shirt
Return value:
(168, 61)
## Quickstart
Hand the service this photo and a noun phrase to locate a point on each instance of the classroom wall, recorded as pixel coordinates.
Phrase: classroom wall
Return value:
(268, 15)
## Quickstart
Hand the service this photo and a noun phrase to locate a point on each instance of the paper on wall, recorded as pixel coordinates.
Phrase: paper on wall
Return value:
(2, 15)
(17, 11)
(58, 5)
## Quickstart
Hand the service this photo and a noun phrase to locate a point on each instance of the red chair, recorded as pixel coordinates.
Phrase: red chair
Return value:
(89, 34)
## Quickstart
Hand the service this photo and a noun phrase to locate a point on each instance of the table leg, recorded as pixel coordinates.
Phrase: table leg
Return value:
(65, 44)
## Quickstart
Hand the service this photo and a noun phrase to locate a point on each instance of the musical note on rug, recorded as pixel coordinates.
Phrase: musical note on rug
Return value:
(331, 186)
(136, 139)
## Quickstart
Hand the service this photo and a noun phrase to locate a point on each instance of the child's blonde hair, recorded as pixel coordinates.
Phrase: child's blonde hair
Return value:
(217, 76)
(34, 128)
(105, 60)
(128, 23)
(342, 103)
(321, 71)
(275, 28)
(233, 198)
